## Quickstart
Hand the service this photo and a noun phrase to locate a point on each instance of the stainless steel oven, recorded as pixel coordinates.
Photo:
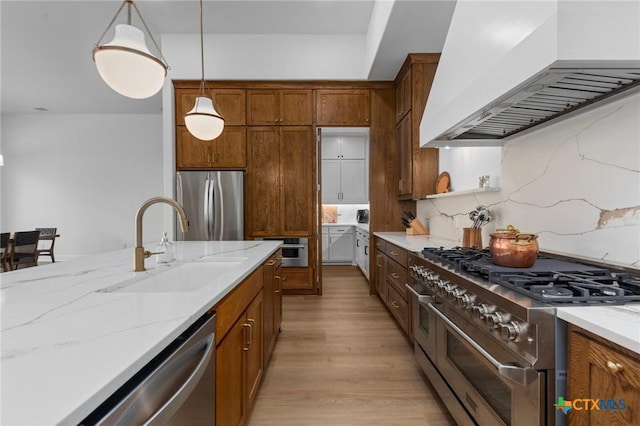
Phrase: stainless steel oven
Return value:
(295, 251)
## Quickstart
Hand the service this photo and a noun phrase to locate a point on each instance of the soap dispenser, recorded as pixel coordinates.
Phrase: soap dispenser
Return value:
(164, 250)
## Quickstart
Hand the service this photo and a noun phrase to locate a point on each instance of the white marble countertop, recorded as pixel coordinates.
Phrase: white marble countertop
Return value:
(66, 347)
(414, 242)
(619, 324)
(363, 227)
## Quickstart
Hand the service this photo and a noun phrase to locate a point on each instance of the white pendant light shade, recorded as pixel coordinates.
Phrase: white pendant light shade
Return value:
(203, 121)
(127, 66)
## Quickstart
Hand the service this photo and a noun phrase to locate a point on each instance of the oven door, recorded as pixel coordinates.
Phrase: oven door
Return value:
(485, 377)
(424, 322)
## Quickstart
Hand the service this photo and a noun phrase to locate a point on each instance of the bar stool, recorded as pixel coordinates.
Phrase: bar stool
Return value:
(47, 234)
(24, 251)
(4, 251)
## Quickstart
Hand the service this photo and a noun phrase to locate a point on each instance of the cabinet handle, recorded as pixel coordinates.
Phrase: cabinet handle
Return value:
(394, 304)
(279, 286)
(394, 275)
(366, 253)
(246, 340)
(614, 367)
(357, 243)
(394, 253)
(251, 322)
(271, 262)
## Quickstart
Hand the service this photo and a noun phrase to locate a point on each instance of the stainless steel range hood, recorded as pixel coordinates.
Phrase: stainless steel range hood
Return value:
(511, 67)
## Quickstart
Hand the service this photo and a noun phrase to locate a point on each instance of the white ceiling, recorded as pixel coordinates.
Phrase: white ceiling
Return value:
(46, 45)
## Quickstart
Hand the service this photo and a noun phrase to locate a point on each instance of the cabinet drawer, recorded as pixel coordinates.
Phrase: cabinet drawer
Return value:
(398, 307)
(380, 245)
(397, 277)
(337, 230)
(397, 254)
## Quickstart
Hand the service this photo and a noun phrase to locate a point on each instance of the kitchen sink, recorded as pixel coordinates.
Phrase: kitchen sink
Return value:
(188, 277)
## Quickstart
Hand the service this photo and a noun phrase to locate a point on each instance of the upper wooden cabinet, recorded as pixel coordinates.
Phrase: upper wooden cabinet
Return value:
(417, 167)
(280, 175)
(287, 107)
(342, 107)
(227, 151)
(230, 103)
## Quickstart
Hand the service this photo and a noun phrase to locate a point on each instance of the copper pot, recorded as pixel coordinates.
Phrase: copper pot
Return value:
(511, 248)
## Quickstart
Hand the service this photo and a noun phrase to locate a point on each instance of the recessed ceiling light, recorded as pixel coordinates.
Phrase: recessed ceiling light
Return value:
(41, 109)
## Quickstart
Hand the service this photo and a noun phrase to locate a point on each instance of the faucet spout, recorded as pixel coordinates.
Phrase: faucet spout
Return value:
(140, 254)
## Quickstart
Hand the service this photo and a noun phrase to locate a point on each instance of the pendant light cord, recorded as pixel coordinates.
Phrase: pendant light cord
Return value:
(201, 50)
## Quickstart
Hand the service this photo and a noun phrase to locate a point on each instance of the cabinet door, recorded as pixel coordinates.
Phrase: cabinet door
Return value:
(230, 148)
(353, 180)
(330, 147)
(600, 371)
(269, 292)
(403, 95)
(255, 358)
(341, 247)
(263, 181)
(263, 107)
(297, 171)
(342, 108)
(230, 384)
(405, 167)
(331, 182)
(230, 103)
(296, 107)
(353, 147)
(191, 152)
(277, 301)
(325, 247)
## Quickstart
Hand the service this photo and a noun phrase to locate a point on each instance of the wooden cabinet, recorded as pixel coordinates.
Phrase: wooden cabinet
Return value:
(230, 103)
(342, 107)
(280, 188)
(298, 280)
(239, 350)
(417, 167)
(599, 369)
(391, 277)
(287, 107)
(272, 303)
(228, 151)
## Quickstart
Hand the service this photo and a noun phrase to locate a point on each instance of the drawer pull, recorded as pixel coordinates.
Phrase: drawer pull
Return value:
(394, 253)
(395, 305)
(614, 367)
(394, 275)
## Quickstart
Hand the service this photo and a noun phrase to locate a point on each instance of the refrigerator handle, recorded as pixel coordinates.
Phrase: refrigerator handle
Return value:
(212, 210)
(220, 223)
(207, 220)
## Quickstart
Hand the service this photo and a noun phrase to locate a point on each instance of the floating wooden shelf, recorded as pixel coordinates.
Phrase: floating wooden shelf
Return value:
(465, 192)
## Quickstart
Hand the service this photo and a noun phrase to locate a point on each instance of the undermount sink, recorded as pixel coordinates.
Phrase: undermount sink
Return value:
(187, 277)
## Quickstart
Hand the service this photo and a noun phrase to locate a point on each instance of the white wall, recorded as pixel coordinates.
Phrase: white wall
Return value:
(84, 174)
(576, 184)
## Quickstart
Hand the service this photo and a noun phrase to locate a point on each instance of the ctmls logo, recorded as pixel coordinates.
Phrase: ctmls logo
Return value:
(586, 404)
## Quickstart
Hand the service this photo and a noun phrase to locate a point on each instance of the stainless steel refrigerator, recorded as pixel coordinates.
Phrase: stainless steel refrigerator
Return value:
(214, 203)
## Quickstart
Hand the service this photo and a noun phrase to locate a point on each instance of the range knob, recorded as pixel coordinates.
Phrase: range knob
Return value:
(495, 319)
(452, 290)
(512, 331)
(482, 309)
(466, 300)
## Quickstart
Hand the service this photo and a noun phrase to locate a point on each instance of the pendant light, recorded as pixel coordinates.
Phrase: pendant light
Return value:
(125, 63)
(203, 121)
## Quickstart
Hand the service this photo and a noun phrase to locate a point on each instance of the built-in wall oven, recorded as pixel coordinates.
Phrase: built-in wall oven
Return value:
(295, 251)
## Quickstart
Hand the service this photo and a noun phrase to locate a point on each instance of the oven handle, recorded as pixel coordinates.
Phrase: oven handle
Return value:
(425, 300)
(298, 246)
(522, 375)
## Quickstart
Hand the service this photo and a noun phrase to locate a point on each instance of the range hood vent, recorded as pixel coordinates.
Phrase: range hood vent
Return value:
(512, 67)
(545, 99)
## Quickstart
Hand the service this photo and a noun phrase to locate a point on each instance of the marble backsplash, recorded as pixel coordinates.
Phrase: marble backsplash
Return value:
(576, 184)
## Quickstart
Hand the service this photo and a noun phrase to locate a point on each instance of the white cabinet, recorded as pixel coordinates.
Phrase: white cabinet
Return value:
(362, 251)
(345, 175)
(337, 244)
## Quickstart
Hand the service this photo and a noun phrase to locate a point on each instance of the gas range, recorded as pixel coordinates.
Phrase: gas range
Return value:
(488, 337)
(550, 280)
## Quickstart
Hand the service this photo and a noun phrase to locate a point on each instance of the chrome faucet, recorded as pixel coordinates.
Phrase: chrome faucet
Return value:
(140, 254)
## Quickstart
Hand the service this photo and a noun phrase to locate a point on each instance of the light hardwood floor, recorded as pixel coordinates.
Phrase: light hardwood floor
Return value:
(341, 360)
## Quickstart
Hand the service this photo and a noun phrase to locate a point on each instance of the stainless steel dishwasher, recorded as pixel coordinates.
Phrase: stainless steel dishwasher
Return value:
(176, 388)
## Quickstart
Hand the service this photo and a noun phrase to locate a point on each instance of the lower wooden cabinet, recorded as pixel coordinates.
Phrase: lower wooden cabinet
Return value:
(391, 277)
(272, 303)
(601, 370)
(239, 350)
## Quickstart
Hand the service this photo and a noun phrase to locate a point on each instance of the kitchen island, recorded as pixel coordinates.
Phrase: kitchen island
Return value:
(73, 332)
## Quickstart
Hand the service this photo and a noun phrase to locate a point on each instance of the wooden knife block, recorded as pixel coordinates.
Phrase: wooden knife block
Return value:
(417, 228)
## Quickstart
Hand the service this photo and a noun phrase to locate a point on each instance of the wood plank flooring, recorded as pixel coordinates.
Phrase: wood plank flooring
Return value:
(342, 360)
